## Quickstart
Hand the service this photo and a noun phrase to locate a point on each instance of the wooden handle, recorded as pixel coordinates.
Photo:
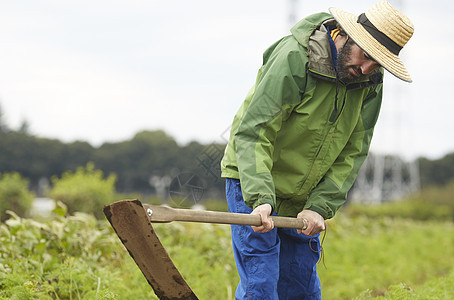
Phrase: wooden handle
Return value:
(164, 214)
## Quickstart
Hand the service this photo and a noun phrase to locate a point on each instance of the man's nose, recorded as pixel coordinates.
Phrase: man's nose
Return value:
(368, 66)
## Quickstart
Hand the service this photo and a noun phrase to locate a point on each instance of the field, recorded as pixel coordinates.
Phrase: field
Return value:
(79, 257)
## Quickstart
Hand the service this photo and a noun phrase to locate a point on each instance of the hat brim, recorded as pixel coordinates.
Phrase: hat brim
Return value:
(369, 44)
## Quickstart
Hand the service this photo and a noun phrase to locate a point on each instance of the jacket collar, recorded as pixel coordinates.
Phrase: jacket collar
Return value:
(312, 34)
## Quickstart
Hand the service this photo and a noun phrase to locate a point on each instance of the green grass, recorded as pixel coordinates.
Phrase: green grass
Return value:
(373, 254)
(440, 288)
(79, 257)
(204, 256)
(74, 257)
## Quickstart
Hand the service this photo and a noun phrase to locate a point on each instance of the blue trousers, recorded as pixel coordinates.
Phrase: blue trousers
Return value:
(279, 264)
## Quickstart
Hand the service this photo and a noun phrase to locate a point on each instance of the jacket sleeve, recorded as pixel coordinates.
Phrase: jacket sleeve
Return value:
(331, 192)
(277, 91)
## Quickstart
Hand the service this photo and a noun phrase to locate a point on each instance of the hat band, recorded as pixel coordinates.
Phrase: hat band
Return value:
(378, 35)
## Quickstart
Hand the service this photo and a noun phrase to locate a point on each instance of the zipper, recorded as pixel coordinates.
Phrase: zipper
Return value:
(336, 112)
(314, 159)
(332, 120)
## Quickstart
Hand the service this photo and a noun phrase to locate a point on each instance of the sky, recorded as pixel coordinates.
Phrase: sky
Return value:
(101, 71)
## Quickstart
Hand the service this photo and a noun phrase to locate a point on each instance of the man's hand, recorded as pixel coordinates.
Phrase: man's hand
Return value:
(264, 212)
(315, 222)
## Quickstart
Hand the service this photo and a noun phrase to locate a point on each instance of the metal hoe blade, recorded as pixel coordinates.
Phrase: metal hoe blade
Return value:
(130, 221)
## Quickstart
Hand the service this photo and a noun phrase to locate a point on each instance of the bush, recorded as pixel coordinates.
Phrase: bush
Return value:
(79, 257)
(66, 257)
(85, 190)
(14, 195)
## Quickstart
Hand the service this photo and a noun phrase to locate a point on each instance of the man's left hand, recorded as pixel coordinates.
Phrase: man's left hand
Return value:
(315, 222)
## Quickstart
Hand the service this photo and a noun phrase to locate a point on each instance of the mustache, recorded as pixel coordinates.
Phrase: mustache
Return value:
(357, 70)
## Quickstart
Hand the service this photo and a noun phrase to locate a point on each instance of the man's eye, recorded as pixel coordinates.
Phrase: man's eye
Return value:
(368, 57)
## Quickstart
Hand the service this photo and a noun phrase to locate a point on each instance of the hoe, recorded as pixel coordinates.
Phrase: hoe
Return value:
(132, 220)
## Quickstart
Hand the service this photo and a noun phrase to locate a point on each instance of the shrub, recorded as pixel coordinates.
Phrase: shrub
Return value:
(66, 257)
(79, 257)
(84, 190)
(14, 195)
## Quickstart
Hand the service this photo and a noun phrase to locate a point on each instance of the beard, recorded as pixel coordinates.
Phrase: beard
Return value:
(343, 67)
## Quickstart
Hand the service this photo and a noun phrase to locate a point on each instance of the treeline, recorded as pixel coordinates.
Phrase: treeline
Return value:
(437, 172)
(146, 164)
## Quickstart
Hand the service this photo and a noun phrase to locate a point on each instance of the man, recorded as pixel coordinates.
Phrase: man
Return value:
(300, 137)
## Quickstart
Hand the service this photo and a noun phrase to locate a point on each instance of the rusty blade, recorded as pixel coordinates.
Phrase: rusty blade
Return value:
(130, 221)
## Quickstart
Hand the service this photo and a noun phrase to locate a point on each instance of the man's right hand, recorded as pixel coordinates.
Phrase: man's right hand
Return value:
(315, 222)
(264, 211)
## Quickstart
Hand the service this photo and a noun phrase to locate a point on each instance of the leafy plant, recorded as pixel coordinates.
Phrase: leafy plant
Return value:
(374, 253)
(14, 195)
(80, 257)
(73, 257)
(85, 190)
(203, 254)
(435, 288)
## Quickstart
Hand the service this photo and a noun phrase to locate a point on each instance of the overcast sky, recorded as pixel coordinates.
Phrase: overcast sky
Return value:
(100, 71)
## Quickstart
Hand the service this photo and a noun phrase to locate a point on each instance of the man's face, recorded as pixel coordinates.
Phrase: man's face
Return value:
(353, 63)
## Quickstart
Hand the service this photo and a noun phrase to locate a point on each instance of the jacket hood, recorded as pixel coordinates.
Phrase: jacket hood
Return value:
(312, 34)
(304, 28)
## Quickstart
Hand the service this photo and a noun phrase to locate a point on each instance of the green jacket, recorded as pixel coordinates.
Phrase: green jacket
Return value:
(290, 145)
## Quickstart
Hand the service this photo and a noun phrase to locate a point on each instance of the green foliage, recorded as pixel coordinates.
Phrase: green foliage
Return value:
(438, 196)
(3, 126)
(148, 199)
(79, 257)
(215, 204)
(415, 209)
(431, 203)
(134, 161)
(435, 288)
(75, 257)
(147, 153)
(364, 253)
(35, 157)
(203, 254)
(14, 195)
(85, 190)
(437, 172)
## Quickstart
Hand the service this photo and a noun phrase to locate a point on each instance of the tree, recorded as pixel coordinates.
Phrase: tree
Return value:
(437, 172)
(24, 127)
(3, 127)
(85, 190)
(14, 195)
(135, 161)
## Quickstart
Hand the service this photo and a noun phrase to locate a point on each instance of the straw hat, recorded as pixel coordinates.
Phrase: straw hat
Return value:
(381, 32)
